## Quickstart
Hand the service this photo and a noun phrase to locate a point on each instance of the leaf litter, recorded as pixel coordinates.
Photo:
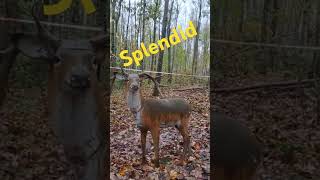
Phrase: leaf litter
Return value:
(125, 146)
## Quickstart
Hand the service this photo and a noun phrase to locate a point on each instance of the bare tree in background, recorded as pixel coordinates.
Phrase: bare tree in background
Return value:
(196, 41)
(163, 35)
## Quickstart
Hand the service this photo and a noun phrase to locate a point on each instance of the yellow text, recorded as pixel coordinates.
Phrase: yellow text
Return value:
(153, 48)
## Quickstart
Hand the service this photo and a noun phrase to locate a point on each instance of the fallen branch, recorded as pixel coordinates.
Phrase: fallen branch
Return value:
(287, 84)
(190, 88)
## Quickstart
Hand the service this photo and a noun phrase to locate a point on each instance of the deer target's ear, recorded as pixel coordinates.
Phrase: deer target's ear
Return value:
(32, 46)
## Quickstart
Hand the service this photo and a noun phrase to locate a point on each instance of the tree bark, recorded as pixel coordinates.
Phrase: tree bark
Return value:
(154, 33)
(163, 35)
(168, 33)
(196, 42)
(143, 27)
(174, 48)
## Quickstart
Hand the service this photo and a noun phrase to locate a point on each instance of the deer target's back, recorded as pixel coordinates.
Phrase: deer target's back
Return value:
(236, 152)
(172, 105)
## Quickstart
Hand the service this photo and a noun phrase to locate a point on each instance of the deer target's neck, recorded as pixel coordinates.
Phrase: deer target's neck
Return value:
(134, 100)
(74, 118)
(135, 103)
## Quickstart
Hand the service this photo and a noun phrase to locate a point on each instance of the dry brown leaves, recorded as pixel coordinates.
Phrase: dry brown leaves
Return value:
(126, 149)
(285, 123)
(28, 149)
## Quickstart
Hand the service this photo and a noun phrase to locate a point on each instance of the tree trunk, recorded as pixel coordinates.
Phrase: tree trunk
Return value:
(174, 49)
(143, 28)
(154, 34)
(163, 35)
(113, 27)
(315, 62)
(196, 42)
(128, 22)
(274, 23)
(168, 33)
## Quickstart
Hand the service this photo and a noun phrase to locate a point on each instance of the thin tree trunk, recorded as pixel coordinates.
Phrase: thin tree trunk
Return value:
(315, 62)
(196, 42)
(128, 22)
(168, 33)
(154, 34)
(163, 35)
(143, 27)
(174, 49)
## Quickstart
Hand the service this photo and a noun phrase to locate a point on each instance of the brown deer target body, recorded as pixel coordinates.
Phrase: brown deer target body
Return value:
(169, 112)
(152, 114)
(236, 152)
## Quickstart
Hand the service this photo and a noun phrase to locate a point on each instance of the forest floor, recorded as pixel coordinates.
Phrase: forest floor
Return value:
(283, 120)
(30, 151)
(125, 143)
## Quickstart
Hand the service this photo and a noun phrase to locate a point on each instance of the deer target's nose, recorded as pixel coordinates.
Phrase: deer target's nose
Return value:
(80, 81)
(134, 87)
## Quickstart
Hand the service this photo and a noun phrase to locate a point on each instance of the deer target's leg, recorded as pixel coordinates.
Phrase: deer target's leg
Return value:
(183, 129)
(143, 144)
(155, 133)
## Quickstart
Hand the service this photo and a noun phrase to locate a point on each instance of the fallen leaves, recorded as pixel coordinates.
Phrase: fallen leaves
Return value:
(28, 148)
(124, 169)
(284, 122)
(125, 144)
(173, 174)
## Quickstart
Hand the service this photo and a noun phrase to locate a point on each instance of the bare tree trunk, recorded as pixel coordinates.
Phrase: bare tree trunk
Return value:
(186, 56)
(154, 34)
(274, 23)
(168, 33)
(315, 62)
(174, 48)
(128, 22)
(143, 28)
(242, 15)
(196, 42)
(113, 34)
(163, 35)
(264, 32)
(117, 16)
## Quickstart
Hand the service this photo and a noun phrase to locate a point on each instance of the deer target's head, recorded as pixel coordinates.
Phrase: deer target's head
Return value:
(74, 63)
(133, 87)
(133, 81)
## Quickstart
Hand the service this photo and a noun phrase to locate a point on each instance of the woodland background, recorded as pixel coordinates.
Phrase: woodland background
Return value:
(29, 150)
(136, 21)
(273, 90)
